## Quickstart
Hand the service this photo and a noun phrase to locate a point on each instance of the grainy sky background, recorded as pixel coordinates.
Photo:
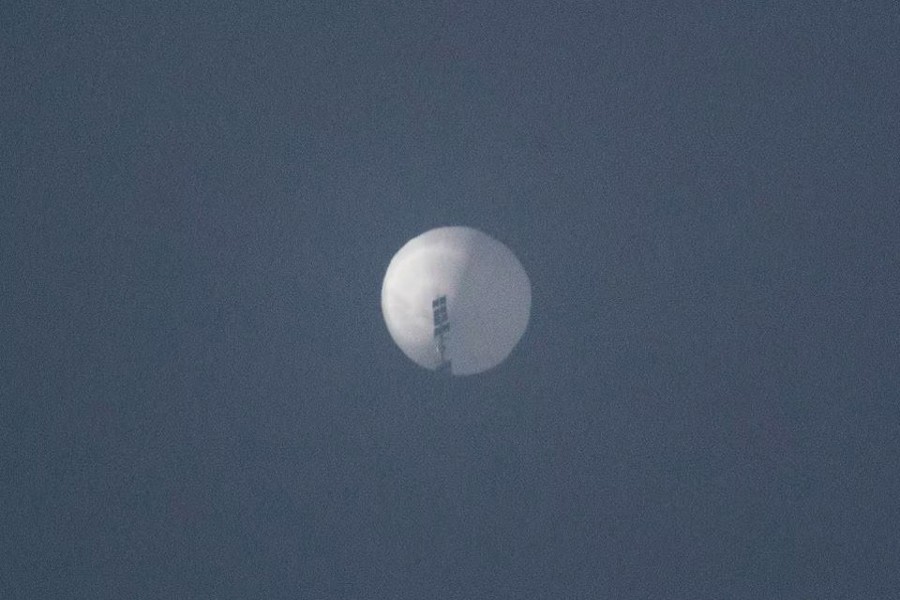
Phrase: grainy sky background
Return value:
(200, 398)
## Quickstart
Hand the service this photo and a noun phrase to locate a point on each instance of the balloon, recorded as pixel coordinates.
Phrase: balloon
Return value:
(454, 299)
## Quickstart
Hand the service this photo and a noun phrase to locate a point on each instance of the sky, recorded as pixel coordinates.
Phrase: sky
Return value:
(199, 397)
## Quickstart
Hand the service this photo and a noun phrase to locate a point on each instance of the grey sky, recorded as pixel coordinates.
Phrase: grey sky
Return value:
(199, 396)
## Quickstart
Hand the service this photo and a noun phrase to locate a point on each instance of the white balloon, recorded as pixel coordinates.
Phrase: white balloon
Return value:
(488, 300)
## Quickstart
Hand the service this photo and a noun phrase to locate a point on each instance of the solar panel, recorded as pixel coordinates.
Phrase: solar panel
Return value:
(441, 329)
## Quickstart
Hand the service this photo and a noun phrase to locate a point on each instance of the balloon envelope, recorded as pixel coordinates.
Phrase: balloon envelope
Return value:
(486, 293)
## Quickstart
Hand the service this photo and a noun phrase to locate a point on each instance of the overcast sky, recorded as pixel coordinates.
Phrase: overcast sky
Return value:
(199, 397)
